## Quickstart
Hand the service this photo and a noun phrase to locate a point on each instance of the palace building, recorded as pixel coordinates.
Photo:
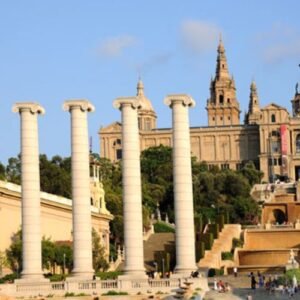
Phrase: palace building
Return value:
(269, 136)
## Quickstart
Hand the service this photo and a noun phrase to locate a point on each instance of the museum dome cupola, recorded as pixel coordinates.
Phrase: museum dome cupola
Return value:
(222, 106)
(146, 115)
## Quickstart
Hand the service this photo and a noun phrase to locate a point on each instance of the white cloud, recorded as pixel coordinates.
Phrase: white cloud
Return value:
(199, 36)
(114, 46)
(279, 43)
(281, 51)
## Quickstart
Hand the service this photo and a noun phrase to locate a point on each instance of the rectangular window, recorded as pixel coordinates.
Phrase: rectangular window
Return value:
(119, 154)
(224, 166)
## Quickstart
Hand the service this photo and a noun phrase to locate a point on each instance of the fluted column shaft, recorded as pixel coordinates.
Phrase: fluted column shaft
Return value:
(30, 181)
(131, 180)
(82, 229)
(183, 188)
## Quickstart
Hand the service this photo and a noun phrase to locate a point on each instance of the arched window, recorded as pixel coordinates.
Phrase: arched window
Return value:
(273, 118)
(298, 143)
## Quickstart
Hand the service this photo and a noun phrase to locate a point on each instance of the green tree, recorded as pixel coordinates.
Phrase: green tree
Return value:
(64, 255)
(48, 254)
(14, 252)
(250, 172)
(13, 170)
(99, 261)
(2, 172)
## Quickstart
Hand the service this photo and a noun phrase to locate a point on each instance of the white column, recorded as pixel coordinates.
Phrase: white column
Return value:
(132, 197)
(183, 188)
(82, 229)
(30, 181)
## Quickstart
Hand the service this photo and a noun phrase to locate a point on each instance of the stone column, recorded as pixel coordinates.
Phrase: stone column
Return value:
(132, 198)
(30, 181)
(183, 188)
(82, 228)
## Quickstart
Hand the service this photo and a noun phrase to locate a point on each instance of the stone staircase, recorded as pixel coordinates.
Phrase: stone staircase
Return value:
(157, 242)
(213, 257)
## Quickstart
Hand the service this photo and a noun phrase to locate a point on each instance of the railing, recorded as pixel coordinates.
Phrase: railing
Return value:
(132, 286)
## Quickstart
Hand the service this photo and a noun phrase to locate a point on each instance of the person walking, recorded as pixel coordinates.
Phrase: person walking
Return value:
(235, 271)
(253, 281)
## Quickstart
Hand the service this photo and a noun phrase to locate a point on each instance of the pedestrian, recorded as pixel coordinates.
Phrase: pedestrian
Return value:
(249, 297)
(261, 282)
(235, 271)
(253, 281)
(215, 284)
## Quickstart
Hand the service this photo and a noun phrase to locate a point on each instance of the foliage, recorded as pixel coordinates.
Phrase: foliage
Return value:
(227, 256)
(215, 272)
(52, 253)
(3, 261)
(63, 255)
(114, 293)
(99, 260)
(13, 170)
(55, 277)
(14, 252)
(9, 278)
(56, 175)
(288, 276)
(108, 275)
(2, 172)
(237, 243)
(162, 227)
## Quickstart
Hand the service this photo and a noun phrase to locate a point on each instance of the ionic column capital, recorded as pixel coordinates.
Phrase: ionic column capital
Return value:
(132, 101)
(185, 100)
(33, 107)
(82, 104)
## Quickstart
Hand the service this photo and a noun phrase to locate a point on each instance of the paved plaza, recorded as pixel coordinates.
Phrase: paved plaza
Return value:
(241, 288)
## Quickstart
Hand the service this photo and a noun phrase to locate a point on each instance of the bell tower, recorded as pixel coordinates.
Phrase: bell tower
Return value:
(222, 106)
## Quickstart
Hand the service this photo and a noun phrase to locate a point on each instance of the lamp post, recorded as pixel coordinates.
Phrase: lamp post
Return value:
(163, 268)
(64, 262)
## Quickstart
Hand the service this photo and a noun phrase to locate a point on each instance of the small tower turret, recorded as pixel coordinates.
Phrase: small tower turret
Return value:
(254, 112)
(296, 101)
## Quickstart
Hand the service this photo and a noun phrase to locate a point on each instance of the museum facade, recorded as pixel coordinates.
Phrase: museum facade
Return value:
(269, 136)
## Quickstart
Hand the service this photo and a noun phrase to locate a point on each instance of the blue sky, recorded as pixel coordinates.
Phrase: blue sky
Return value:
(51, 51)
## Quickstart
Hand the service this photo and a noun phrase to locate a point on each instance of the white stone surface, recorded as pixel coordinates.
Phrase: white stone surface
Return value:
(30, 179)
(183, 188)
(132, 198)
(82, 229)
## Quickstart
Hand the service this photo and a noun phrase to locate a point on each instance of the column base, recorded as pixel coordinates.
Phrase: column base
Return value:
(75, 276)
(32, 279)
(184, 271)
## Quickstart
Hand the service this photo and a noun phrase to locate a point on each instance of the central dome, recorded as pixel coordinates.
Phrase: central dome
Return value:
(144, 101)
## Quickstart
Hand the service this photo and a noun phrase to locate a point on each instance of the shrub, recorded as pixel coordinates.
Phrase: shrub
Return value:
(108, 275)
(237, 243)
(215, 272)
(162, 227)
(227, 256)
(56, 277)
(288, 276)
(114, 293)
(9, 278)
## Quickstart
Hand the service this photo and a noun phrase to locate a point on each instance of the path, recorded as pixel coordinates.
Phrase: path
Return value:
(240, 289)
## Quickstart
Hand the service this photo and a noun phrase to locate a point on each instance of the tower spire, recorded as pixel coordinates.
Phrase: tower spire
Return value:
(222, 67)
